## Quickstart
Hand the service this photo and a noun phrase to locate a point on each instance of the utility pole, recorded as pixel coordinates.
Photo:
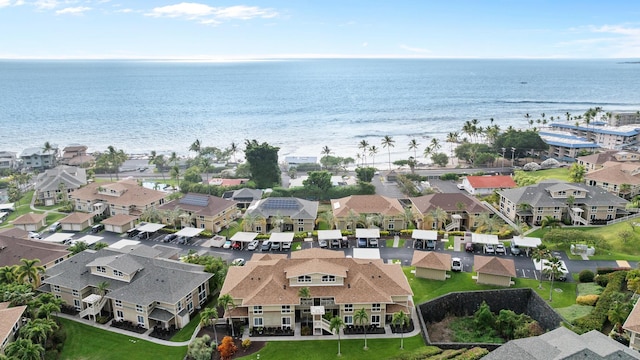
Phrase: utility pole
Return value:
(502, 167)
(513, 151)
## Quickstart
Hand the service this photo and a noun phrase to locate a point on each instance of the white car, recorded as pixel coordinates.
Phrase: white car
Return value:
(286, 245)
(238, 262)
(34, 235)
(253, 245)
(500, 249)
(227, 244)
(489, 249)
(456, 264)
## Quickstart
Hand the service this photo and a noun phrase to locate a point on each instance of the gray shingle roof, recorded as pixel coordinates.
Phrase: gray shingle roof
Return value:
(538, 195)
(72, 178)
(293, 208)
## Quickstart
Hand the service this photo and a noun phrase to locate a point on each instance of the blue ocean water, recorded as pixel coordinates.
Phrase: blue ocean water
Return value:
(299, 105)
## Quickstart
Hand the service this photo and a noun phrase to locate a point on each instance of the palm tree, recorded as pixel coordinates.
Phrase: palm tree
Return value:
(388, 143)
(336, 325)
(428, 151)
(361, 317)
(373, 150)
(408, 216)
(115, 159)
(435, 145)
(226, 301)
(326, 151)
(401, 319)
(196, 147)
(439, 216)
(233, 149)
(159, 161)
(30, 270)
(539, 254)
(8, 274)
(364, 145)
(413, 145)
(550, 221)
(38, 330)
(304, 293)
(24, 349)
(553, 269)
(209, 317)
(102, 287)
(205, 163)
(352, 219)
(251, 220)
(327, 218)
(618, 314)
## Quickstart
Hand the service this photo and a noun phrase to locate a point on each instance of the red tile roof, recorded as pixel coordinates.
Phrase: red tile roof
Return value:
(492, 182)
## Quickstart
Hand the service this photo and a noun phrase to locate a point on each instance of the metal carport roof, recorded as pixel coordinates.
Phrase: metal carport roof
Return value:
(424, 234)
(189, 232)
(329, 234)
(281, 237)
(242, 236)
(484, 239)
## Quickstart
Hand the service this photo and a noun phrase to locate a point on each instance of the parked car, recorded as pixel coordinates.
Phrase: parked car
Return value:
(456, 264)
(275, 246)
(236, 245)
(35, 235)
(266, 245)
(489, 249)
(97, 228)
(322, 243)
(169, 237)
(500, 249)
(515, 250)
(227, 244)
(253, 245)
(373, 242)
(362, 243)
(431, 245)
(335, 243)
(469, 247)
(238, 262)
(286, 245)
(133, 233)
(55, 227)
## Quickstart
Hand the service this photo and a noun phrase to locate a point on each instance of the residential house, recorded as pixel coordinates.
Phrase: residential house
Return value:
(462, 211)
(12, 250)
(119, 223)
(296, 214)
(494, 270)
(76, 221)
(227, 182)
(31, 221)
(431, 265)
(265, 291)
(370, 210)
(76, 155)
(563, 146)
(486, 185)
(563, 344)
(582, 204)
(608, 137)
(144, 287)
(37, 158)
(54, 185)
(596, 161)
(8, 160)
(202, 211)
(243, 197)
(632, 326)
(112, 198)
(621, 179)
(10, 323)
(14, 232)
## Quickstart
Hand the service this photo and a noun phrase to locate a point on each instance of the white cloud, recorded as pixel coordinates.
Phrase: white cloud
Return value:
(615, 41)
(616, 29)
(5, 3)
(127, 10)
(46, 4)
(414, 49)
(79, 10)
(209, 15)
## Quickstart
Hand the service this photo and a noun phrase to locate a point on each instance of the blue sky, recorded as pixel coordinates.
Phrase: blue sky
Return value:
(81, 29)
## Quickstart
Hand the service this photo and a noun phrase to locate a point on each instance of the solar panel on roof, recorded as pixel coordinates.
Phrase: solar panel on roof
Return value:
(281, 204)
(195, 200)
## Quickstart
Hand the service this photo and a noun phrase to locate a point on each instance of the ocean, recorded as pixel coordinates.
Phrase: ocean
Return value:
(299, 105)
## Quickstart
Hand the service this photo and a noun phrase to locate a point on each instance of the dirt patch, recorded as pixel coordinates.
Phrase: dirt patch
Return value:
(441, 331)
(253, 348)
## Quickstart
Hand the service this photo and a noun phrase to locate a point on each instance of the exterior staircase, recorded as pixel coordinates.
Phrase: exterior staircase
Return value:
(95, 309)
(501, 215)
(577, 219)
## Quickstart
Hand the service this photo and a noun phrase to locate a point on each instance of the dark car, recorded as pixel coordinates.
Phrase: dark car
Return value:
(335, 243)
(468, 247)
(362, 243)
(169, 237)
(97, 228)
(133, 233)
(431, 245)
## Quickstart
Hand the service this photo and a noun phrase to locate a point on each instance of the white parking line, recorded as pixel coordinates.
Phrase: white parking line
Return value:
(523, 273)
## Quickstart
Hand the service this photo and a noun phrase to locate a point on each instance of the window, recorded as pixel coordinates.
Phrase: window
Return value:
(390, 227)
(179, 306)
(257, 322)
(117, 273)
(140, 320)
(348, 320)
(556, 209)
(348, 307)
(257, 309)
(75, 293)
(562, 193)
(610, 209)
(594, 209)
(190, 307)
(202, 293)
(118, 303)
(304, 279)
(286, 322)
(139, 308)
(286, 309)
(101, 269)
(328, 278)
(375, 307)
(76, 304)
(300, 228)
(119, 314)
(375, 320)
(56, 288)
(258, 228)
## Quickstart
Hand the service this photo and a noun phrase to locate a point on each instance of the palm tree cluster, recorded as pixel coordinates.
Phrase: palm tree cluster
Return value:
(477, 133)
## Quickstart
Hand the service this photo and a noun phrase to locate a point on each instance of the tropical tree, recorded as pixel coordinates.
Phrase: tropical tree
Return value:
(159, 161)
(304, 293)
(226, 301)
(326, 151)
(373, 150)
(427, 152)
(209, 317)
(38, 330)
(233, 149)
(550, 221)
(364, 146)
(435, 145)
(250, 220)
(115, 159)
(401, 319)
(336, 326)
(8, 274)
(576, 173)
(539, 254)
(24, 349)
(327, 218)
(150, 214)
(439, 216)
(30, 270)
(352, 219)
(361, 317)
(413, 145)
(487, 223)
(408, 216)
(100, 245)
(618, 313)
(553, 270)
(388, 142)
(196, 147)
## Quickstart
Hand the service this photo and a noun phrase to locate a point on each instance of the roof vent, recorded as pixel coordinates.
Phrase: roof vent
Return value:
(284, 286)
(251, 278)
(349, 286)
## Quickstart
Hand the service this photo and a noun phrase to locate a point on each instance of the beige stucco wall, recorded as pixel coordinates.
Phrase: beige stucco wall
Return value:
(316, 280)
(494, 280)
(431, 273)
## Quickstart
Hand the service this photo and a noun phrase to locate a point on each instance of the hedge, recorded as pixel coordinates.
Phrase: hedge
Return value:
(589, 300)
(419, 354)
(597, 318)
(472, 354)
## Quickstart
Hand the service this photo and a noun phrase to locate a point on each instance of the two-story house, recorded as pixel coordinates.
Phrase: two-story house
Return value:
(10, 323)
(621, 179)
(8, 160)
(54, 185)
(202, 211)
(12, 250)
(143, 287)
(267, 290)
(37, 158)
(112, 198)
(462, 211)
(580, 203)
(243, 197)
(389, 211)
(296, 214)
(76, 155)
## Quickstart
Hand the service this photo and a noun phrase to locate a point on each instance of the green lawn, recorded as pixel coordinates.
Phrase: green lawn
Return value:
(573, 312)
(589, 289)
(90, 343)
(558, 174)
(22, 207)
(425, 289)
(328, 349)
(389, 243)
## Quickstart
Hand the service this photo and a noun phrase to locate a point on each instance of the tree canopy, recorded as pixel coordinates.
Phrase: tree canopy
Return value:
(521, 140)
(263, 163)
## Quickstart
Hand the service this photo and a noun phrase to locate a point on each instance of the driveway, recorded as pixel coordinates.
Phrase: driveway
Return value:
(387, 188)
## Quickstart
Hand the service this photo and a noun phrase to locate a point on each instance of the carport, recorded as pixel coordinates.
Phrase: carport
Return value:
(328, 235)
(244, 237)
(123, 244)
(526, 242)
(363, 253)
(189, 233)
(422, 235)
(281, 237)
(484, 239)
(58, 237)
(149, 229)
(89, 239)
(369, 234)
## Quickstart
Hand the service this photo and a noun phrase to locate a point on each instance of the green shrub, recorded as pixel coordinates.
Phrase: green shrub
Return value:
(586, 276)
(601, 280)
(418, 354)
(449, 176)
(597, 318)
(206, 233)
(472, 354)
(589, 300)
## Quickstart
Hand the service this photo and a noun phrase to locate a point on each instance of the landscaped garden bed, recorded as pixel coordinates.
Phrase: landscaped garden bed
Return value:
(359, 329)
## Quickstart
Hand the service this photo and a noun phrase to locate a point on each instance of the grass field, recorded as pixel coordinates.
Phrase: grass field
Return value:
(90, 343)
(589, 289)
(558, 174)
(573, 312)
(22, 207)
(328, 349)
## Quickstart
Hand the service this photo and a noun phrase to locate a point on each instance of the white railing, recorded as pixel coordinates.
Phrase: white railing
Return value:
(577, 218)
(501, 215)
(625, 218)
(95, 309)
(452, 226)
